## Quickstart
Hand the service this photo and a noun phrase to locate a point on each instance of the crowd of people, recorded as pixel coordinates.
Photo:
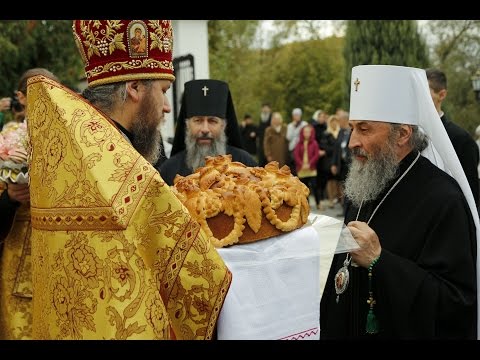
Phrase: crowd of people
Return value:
(284, 143)
(95, 246)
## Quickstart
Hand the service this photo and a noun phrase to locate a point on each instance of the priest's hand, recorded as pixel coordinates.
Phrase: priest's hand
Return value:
(368, 241)
(19, 192)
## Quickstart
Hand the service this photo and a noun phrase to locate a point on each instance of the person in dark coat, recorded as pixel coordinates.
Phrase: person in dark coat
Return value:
(249, 135)
(325, 144)
(463, 143)
(413, 275)
(206, 126)
(265, 122)
(341, 157)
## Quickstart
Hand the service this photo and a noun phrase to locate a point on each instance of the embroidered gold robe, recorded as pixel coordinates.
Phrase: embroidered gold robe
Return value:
(115, 254)
(15, 279)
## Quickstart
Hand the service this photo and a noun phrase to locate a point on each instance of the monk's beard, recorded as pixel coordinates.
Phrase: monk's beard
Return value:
(146, 131)
(196, 153)
(366, 181)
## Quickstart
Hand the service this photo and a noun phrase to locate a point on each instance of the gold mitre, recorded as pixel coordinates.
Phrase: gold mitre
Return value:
(115, 254)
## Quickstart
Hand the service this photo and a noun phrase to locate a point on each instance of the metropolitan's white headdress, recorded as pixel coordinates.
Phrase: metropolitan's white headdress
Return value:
(398, 94)
(385, 93)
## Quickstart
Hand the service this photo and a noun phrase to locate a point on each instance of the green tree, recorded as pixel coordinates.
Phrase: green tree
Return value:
(298, 30)
(456, 51)
(387, 42)
(307, 74)
(232, 58)
(26, 44)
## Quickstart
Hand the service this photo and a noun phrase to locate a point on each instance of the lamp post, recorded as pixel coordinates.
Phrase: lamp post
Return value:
(476, 84)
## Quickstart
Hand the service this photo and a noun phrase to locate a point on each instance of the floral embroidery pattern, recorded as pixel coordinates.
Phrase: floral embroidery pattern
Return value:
(161, 37)
(56, 143)
(155, 315)
(102, 42)
(114, 257)
(103, 46)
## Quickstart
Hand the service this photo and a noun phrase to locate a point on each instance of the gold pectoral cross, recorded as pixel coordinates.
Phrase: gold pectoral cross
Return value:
(356, 83)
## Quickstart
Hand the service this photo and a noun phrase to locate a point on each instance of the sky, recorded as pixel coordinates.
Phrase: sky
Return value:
(326, 28)
(267, 29)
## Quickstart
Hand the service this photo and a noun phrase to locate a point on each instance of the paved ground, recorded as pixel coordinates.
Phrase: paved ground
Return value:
(335, 212)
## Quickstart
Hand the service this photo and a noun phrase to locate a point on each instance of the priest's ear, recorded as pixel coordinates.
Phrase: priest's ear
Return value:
(133, 89)
(404, 133)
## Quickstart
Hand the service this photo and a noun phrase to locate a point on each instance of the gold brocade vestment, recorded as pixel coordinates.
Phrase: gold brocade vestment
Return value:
(115, 254)
(16, 279)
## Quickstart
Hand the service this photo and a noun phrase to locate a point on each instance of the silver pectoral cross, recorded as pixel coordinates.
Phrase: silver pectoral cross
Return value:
(205, 89)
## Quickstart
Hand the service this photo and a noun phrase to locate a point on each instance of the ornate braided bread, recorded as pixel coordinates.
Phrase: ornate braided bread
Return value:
(238, 204)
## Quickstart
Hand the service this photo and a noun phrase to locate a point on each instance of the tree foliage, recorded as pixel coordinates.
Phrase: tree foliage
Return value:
(26, 44)
(387, 42)
(301, 30)
(306, 74)
(233, 59)
(456, 51)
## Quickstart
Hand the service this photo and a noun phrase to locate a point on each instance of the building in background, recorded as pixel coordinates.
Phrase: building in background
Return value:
(190, 59)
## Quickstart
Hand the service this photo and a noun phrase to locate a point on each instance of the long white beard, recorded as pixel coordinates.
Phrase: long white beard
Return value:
(366, 181)
(196, 153)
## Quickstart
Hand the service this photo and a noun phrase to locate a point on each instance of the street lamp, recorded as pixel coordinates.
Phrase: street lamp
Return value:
(476, 85)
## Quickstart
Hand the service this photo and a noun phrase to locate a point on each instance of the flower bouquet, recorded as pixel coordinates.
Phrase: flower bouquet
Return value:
(13, 153)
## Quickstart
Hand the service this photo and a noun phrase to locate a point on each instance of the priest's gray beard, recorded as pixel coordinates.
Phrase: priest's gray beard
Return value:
(146, 132)
(366, 181)
(196, 153)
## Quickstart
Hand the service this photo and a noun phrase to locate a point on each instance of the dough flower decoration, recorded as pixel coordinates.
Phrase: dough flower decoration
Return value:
(234, 203)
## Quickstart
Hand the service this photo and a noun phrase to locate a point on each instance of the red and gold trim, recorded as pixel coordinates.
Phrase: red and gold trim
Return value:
(122, 50)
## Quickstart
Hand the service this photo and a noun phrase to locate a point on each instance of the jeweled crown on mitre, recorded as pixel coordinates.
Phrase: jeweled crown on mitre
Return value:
(122, 50)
